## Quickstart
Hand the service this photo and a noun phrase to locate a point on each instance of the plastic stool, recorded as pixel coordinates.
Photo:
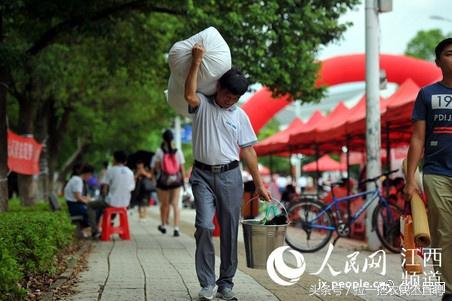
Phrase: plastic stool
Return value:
(216, 230)
(108, 229)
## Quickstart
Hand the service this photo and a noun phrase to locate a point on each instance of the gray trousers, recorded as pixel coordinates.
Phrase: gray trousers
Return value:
(92, 213)
(222, 192)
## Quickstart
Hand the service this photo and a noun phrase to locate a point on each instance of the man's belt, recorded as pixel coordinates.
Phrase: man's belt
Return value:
(217, 168)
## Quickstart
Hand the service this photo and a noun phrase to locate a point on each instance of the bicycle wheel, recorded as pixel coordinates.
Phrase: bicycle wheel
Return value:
(386, 221)
(307, 231)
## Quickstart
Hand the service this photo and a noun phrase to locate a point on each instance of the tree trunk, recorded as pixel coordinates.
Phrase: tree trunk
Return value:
(27, 109)
(3, 144)
(3, 133)
(57, 127)
(76, 156)
(41, 125)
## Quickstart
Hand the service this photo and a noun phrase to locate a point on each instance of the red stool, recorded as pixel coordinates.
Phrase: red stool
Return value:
(216, 230)
(108, 229)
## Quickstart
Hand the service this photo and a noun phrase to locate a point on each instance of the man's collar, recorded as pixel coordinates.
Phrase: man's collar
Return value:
(230, 109)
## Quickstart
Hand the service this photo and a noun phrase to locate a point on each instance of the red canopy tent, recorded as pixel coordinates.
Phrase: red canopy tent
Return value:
(400, 104)
(396, 123)
(360, 157)
(278, 142)
(261, 107)
(325, 163)
(307, 137)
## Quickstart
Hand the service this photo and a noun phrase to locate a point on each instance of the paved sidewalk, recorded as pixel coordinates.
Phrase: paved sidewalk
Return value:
(304, 288)
(151, 266)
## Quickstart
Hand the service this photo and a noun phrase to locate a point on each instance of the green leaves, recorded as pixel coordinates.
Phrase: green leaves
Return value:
(423, 44)
(105, 61)
(275, 42)
(29, 241)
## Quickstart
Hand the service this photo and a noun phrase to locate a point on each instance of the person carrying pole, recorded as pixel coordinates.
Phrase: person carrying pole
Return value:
(432, 139)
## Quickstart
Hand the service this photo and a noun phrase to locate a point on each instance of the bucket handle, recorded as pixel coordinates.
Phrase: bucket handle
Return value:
(272, 207)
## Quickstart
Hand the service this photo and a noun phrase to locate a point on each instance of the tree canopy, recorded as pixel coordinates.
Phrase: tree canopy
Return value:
(423, 44)
(94, 72)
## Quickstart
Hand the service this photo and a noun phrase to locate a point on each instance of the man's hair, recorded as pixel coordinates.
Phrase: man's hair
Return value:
(234, 81)
(76, 168)
(87, 168)
(120, 156)
(440, 47)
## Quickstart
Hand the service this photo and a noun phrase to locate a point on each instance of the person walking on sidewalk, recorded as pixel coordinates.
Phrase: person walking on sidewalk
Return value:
(143, 188)
(119, 183)
(432, 137)
(168, 164)
(220, 131)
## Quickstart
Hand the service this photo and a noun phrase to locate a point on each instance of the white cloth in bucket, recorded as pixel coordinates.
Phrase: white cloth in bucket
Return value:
(215, 63)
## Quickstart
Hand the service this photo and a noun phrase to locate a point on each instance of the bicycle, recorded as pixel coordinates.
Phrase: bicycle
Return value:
(312, 222)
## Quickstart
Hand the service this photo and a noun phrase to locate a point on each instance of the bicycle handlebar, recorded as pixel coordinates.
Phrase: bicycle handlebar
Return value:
(385, 174)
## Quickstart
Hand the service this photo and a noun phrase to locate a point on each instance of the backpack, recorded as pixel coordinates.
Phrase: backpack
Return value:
(170, 174)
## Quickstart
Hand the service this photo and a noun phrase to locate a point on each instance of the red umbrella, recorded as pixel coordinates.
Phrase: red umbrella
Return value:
(325, 164)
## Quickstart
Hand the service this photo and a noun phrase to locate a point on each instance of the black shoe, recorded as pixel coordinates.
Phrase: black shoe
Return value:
(447, 297)
(176, 233)
(95, 235)
(162, 229)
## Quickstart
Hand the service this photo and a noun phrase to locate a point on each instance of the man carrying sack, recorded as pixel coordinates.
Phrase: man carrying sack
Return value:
(432, 136)
(220, 131)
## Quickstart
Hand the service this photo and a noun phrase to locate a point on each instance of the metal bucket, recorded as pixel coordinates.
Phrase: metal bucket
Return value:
(260, 241)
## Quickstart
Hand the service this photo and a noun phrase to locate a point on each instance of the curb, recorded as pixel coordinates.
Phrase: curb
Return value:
(66, 275)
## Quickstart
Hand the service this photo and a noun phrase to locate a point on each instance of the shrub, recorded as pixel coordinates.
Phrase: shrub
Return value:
(30, 239)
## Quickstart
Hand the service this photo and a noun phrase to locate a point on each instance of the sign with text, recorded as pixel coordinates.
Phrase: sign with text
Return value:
(23, 154)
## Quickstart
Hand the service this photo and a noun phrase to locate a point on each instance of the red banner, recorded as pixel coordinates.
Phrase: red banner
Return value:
(23, 154)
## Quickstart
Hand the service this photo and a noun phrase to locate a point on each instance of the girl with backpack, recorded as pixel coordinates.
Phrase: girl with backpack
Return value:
(168, 165)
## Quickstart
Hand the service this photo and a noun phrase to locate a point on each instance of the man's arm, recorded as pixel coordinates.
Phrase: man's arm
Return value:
(250, 157)
(415, 153)
(79, 197)
(105, 188)
(192, 77)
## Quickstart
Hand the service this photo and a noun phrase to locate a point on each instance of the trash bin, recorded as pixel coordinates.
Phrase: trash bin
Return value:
(260, 240)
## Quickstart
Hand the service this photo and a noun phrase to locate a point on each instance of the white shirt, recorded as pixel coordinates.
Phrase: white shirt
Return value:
(158, 157)
(121, 182)
(74, 185)
(218, 134)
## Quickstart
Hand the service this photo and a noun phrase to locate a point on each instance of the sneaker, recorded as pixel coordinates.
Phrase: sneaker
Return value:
(206, 293)
(176, 233)
(162, 229)
(226, 294)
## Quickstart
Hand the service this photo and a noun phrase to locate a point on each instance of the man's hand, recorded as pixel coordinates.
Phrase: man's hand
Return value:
(197, 53)
(410, 188)
(191, 84)
(264, 193)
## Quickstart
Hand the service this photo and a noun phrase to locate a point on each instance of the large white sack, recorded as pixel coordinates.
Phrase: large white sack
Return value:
(215, 63)
(175, 97)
